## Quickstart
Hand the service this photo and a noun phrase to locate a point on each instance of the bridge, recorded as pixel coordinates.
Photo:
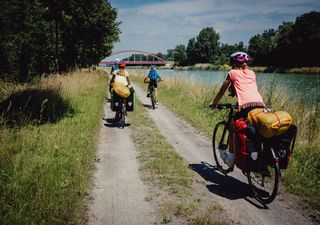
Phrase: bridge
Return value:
(136, 58)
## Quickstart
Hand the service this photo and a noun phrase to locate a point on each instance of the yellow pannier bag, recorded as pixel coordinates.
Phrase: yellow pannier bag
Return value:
(269, 123)
(121, 90)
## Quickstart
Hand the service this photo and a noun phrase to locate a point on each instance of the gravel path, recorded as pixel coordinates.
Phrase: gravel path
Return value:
(232, 191)
(118, 194)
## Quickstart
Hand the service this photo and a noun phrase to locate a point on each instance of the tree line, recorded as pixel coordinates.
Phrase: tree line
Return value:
(292, 44)
(45, 36)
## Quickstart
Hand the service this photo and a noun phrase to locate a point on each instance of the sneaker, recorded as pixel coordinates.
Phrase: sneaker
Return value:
(223, 154)
(148, 95)
(230, 159)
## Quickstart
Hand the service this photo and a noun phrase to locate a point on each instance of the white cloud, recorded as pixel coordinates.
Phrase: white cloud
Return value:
(160, 26)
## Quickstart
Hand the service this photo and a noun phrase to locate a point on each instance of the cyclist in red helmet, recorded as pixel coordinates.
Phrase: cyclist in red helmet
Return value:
(243, 82)
(120, 75)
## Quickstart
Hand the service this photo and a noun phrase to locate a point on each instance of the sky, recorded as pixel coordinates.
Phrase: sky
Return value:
(156, 26)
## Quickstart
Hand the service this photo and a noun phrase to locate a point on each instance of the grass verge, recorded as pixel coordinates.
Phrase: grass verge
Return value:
(45, 167)
(166, 170)
(190, 101)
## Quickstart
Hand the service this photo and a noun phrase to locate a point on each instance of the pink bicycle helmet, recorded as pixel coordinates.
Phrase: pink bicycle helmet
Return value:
(240, 58)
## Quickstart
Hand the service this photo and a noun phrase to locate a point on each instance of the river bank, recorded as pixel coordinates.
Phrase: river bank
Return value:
(225, 67)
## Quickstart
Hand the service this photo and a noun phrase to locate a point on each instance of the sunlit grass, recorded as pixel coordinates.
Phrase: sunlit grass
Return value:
(45, 168)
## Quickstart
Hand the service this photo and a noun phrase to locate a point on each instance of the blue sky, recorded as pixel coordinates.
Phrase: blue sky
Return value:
(155, 26)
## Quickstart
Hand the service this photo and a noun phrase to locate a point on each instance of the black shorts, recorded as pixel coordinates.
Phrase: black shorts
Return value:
(244, 112)
(153, 83)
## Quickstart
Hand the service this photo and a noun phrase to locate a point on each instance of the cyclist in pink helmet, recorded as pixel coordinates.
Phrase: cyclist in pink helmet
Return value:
(243, 82)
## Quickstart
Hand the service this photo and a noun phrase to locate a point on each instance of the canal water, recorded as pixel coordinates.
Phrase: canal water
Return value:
(306, 85)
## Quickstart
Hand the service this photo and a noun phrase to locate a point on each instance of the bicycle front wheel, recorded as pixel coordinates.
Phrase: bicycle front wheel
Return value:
(265, 183)
(220, 140)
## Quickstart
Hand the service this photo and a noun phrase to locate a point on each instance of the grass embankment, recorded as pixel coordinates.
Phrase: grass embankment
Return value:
(190, 101)
(46, 155)
(165, 169)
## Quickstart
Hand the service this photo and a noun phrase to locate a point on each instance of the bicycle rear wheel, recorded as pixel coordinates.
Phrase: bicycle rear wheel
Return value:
(122, 119)
(153, 100)
(265, 183)
(220, 140)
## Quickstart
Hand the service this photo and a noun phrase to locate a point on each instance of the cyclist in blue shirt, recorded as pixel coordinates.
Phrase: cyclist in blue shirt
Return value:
(115, 66)
(154, 78)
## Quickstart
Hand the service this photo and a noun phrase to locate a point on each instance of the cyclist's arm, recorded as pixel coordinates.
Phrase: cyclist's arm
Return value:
(145, 80)
(221, 92)
(112, 79)
(128, 80)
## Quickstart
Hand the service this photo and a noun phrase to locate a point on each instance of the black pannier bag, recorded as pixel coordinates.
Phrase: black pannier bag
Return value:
(283, 146)
(115, 102)
(131, 100)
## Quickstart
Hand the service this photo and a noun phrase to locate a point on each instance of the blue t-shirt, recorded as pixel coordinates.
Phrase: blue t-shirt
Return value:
(115, 67)
(153, 75)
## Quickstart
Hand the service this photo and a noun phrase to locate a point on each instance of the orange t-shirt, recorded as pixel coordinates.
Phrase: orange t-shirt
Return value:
(244, 81)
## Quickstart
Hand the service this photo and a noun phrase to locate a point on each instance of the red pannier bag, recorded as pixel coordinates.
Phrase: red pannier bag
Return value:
(247, 145)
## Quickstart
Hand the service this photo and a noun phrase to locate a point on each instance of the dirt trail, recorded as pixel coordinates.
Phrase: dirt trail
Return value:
(232, 191)
(118, 194)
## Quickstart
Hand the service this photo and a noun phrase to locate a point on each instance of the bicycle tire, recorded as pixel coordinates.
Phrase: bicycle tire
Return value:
(220, 139)
(122, 120)
(153, 100)
(259, 181)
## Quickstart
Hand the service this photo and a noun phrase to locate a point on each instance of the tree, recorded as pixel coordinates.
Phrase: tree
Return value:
(193, 54)
(180, 55)
(45, 36)
(262, 46)
(305, 38)
(170, 53)
(207, 44)
(284, 49)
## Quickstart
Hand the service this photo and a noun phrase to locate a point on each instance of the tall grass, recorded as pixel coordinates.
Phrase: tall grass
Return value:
(45, 167)
(190, 101)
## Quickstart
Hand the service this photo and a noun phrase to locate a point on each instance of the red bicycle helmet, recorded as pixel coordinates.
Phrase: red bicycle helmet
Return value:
(122, 64)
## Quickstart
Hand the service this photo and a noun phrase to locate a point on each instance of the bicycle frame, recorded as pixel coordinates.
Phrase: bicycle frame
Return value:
(228, 121)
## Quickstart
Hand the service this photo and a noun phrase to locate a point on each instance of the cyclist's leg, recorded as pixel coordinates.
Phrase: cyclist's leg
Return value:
(231, 137)
(149, 86)
(231, 155)
(156, 90)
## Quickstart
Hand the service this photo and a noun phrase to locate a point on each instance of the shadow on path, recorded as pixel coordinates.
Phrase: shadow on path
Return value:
(148, 106)
(110, 122)
(225, 186)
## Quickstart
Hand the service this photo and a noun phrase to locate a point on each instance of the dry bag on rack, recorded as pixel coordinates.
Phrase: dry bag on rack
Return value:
(269, 123)
(121, 90)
